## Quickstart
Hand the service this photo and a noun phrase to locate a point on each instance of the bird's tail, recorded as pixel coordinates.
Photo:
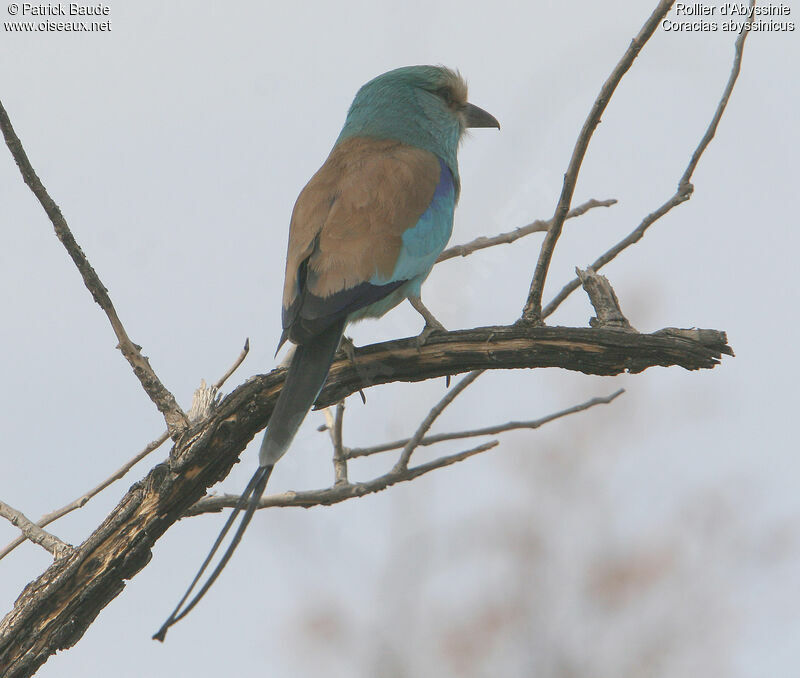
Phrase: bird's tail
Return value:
(304, 381)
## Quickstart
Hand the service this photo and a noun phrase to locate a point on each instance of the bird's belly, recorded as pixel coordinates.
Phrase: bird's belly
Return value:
(383, 306)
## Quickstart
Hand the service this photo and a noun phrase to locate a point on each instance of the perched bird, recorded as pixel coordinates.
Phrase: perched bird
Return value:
(365, 233)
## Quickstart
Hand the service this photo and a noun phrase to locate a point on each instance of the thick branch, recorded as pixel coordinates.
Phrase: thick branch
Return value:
(163, 399)
(591, 351)
(56, 609)
(127, 466)
(533, 306)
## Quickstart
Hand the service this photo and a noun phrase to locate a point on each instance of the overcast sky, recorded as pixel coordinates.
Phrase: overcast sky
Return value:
(176, 145)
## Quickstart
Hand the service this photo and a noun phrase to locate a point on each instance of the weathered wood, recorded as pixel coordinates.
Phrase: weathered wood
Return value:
(54, 611)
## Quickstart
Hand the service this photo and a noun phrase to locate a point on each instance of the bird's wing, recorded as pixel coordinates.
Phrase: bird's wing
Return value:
(346, 240)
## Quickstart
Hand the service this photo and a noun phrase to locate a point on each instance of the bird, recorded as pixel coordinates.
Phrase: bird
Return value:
(364, 234)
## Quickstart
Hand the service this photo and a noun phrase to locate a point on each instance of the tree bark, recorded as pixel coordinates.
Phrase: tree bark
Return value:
(54, 611)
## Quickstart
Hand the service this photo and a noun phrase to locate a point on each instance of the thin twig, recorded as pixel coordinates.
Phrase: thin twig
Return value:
(633, 237)
(507, 238)
(36, 534)
(681, 195)
(66, 596)
(357, 452)
(533, 306)
(463, 251)
(511, 236)
(334, 426)
(121, 471)
(163, 399)
(81, 501)
(239, 360)
(75, 588)
(339, 493)
(723, 102)
(413, 442)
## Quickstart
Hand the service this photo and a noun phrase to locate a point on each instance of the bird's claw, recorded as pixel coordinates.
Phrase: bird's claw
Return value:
(429, 329)
(432, 325)
(349, 349)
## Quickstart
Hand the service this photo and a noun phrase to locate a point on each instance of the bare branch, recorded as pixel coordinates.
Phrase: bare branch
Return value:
(343, 492)
(54, 610)
(36, 534)
(683, 192)
(357, 452)
(633, 237)
(723, 102)
(422, 429)
(81, 501)
(334, 426)
(339, 493)
(203, 400)
(239, 360)
(581, 349)
(163, 399)
(533, 306)
(507, 238)
(206, 397)
(604, 300)
(122, 470)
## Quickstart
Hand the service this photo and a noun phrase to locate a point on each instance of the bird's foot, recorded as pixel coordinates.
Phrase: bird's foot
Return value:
(349, 349)
(431, 323)
(428, 330)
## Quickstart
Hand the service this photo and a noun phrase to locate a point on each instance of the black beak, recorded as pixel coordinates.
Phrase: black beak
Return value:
(477, 117)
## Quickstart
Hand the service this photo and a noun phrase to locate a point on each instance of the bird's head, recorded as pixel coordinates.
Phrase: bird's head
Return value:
(424, 106)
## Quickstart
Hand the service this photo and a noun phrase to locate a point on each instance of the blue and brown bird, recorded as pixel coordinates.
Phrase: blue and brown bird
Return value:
(364, 235)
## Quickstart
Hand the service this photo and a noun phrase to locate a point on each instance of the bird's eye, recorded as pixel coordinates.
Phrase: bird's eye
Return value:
(446, 94)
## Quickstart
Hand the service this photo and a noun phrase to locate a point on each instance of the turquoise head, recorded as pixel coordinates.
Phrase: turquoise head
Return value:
(423, 106)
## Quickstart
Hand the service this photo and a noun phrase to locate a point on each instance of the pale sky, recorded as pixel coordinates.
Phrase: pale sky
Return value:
(176, 145)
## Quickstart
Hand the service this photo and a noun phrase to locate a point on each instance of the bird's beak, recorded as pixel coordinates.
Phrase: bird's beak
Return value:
(477, 117)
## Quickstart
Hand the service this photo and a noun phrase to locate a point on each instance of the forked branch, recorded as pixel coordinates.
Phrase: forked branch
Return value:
(533, 306)
(54, 611)
(163, 399)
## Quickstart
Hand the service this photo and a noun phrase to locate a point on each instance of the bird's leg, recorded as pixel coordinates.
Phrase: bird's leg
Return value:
(349, 349)
(431, 323)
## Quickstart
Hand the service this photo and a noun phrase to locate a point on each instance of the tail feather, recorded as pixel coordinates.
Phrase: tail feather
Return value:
(304, 381)
(307, 373)
(249, 502)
